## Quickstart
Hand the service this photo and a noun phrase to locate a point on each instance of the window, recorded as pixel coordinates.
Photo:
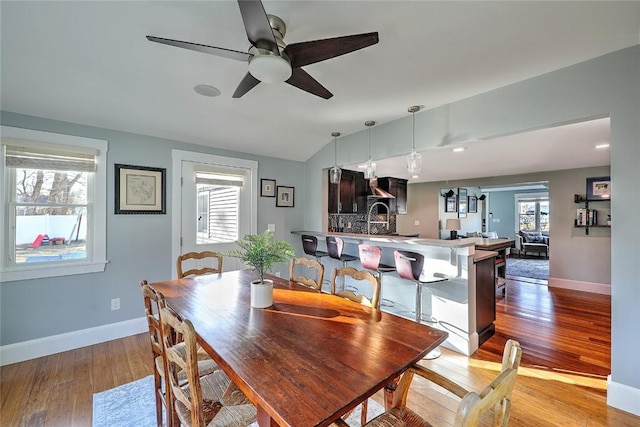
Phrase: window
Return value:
(53, 191)
(533, 213)
(218, 207)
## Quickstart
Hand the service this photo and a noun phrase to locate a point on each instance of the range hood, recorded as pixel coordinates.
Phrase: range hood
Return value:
(376, 192)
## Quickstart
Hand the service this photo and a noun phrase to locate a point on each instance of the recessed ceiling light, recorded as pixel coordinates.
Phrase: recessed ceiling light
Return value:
(206, 90)
(599, 146)
(458, 149)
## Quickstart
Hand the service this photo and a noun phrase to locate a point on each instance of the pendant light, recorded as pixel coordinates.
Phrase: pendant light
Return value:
(370, 167)
(335, 173)
(414, 159)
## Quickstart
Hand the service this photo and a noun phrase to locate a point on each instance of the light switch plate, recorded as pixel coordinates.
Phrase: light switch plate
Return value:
(272, 227)
(416, 222)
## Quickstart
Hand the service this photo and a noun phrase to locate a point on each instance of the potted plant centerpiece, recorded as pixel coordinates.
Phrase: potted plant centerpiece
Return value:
(261, 252)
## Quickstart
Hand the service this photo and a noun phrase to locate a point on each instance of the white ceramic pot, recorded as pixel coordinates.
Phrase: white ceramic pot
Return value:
(262, 293)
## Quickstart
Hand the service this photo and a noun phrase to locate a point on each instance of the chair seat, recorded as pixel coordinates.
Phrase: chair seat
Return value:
(347, 258)
(398, 417)
(224, 403)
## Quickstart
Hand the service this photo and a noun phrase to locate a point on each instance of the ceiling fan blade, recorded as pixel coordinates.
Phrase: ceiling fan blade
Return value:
(256, 24)
(227, 53)
(247, 83)
(302, 80)
(306, 53)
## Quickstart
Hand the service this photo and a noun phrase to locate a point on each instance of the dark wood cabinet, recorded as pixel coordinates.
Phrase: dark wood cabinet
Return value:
(350, 196)
(485, 299)
(398, 188)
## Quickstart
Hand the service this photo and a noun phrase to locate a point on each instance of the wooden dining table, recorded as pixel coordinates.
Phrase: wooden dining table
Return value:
(309, 358)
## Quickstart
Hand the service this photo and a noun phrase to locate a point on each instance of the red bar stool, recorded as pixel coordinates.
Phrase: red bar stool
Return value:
(409, 266)
(370, 259)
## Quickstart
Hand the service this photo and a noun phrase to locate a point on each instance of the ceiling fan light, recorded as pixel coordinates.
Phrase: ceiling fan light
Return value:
(414, 162)
(270, 68)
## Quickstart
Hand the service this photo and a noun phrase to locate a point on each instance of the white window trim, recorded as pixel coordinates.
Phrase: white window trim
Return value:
(98, 232)
(178, 156)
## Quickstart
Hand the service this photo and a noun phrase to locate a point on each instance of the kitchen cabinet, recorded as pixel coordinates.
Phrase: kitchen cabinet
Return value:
(350, 196)
(398, 188)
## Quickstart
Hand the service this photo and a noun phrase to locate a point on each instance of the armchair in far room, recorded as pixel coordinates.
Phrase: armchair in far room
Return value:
(532, 242)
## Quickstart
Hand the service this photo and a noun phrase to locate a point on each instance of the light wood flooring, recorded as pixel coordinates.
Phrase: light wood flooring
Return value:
(565, 336)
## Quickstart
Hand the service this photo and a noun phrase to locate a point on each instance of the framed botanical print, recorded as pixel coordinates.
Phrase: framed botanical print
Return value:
(267, 188)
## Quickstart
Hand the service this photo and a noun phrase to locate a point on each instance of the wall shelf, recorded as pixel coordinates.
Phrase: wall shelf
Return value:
(595, 221)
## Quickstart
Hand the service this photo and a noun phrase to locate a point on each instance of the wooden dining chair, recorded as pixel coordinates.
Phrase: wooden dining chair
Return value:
(206, 262)
(374, 301)
(496, 396)
(153, 302)
(361, 276)
(307, 264)
(199, 401)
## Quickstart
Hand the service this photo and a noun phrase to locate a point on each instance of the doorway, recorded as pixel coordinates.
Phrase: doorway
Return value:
(214, 203)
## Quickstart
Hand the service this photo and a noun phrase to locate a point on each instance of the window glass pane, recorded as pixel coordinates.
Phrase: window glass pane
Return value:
(218, 206)
(544, 215)
(42, 236)
(46, 187)
(50, 215)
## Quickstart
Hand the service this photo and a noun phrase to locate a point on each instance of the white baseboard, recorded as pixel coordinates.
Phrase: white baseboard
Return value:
(623, 397)
(576, 285)
(27, 350)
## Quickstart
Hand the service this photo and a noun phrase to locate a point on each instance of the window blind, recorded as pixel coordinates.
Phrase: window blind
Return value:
(49, 158)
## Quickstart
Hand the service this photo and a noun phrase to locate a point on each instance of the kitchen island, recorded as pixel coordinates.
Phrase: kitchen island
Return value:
(452, 302)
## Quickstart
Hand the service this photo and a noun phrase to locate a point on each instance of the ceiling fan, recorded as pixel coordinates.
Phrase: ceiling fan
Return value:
(270, 59)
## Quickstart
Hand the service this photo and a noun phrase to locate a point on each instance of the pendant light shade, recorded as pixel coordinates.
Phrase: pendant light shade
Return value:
(370, 166)
(414, 159)
(335, 174)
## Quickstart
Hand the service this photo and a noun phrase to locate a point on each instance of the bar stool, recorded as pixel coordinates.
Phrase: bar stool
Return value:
(310, 247)
(370, 259)
(409, 266)
(335, 245)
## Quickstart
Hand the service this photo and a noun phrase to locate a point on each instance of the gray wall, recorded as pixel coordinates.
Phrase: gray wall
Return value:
(608, 85)
(138, 246)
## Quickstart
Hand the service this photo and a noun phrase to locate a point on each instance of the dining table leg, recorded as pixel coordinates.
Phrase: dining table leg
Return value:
(389, 393)
(264, 419)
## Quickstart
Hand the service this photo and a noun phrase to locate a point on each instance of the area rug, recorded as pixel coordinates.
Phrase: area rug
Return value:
(533, 268)
(133, 405)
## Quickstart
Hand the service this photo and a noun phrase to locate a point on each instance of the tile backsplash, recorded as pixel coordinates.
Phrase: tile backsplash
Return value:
(357, 223)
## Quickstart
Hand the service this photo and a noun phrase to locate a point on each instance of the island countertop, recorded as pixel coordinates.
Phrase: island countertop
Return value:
(392, 240)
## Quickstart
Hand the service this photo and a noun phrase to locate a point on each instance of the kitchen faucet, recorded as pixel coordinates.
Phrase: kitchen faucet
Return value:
(369, 222)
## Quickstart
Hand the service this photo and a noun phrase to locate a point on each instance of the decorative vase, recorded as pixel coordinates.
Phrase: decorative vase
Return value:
(262, 293)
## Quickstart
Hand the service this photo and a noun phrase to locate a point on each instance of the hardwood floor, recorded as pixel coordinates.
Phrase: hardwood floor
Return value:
(565, 336)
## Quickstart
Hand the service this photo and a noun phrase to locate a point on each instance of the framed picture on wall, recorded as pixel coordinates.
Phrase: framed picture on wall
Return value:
(599, 188)
(473, 204)
(140, 190)
(462, 202)
(267, 188)
(285, 197)
(451, 204)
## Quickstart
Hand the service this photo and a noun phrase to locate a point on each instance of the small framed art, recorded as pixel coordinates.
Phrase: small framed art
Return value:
(451, 204)
(473, 204)
(462, 202)
(267, 188)
(285, 196)
(140, 190)
(599, 188)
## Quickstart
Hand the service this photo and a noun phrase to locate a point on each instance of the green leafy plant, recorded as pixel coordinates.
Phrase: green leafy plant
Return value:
(261, 251)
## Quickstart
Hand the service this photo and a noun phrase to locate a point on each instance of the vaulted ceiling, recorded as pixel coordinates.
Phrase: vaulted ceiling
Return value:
(90, 63)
